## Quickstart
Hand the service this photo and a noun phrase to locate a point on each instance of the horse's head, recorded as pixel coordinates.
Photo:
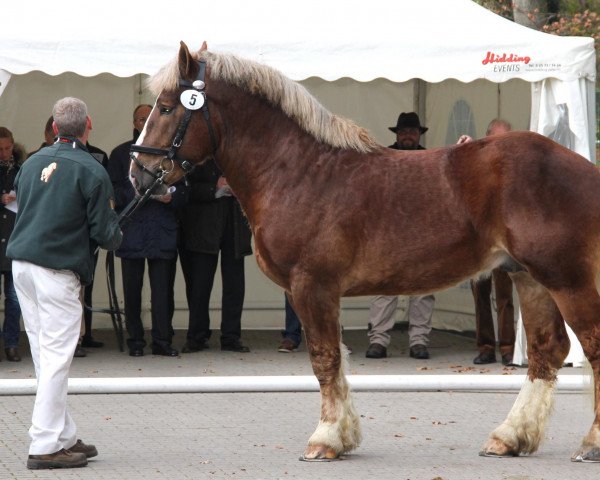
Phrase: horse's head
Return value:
(179, 132)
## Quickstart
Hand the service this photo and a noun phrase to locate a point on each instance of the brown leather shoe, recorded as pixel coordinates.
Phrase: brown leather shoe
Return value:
(287, 346)
(61, 459)
(12, 354)
(88, 450)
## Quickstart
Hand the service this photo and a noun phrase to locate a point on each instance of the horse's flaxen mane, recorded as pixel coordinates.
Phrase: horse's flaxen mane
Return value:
(293, 99)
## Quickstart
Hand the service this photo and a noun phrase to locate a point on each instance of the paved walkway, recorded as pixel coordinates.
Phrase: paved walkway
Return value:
(424, 435)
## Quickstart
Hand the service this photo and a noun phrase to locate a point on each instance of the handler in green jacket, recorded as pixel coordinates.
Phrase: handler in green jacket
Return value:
(65, 211)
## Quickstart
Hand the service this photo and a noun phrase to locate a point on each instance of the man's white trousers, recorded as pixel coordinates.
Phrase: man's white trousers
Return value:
(51, 310)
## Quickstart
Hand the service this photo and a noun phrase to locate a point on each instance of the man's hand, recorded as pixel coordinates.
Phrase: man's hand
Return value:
(163, 198)
(8, 197)
(223, 188)
(222, 182)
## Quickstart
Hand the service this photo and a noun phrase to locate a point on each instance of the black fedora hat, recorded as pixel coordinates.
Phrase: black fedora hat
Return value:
(408, 120)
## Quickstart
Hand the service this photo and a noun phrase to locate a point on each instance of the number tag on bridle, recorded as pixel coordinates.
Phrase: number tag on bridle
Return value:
(192, 99)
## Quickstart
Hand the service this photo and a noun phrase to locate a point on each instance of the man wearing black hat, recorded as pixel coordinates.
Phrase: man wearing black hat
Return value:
(408, 132)
(382, 311)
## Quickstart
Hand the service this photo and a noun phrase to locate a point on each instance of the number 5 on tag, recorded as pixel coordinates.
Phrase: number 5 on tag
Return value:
(192, 99)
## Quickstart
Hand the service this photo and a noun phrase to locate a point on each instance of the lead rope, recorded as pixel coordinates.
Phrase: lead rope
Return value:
(137, 202)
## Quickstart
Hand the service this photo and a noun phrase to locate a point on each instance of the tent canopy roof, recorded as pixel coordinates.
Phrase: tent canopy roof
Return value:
(429, 39)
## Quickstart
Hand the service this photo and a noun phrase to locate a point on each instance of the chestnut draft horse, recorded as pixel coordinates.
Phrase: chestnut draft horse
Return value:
(335, 214)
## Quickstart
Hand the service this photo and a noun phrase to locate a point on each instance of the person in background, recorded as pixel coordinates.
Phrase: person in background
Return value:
(482, 289)
(48, 136)
(149, 236)
(140, 115)
(87, 341)
(292, 335)
(212, 223)
(382, 311)
(11, 157)
(65, 212)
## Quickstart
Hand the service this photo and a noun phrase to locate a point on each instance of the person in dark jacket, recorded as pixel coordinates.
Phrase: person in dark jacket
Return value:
(149, 236)
(87, 340)
(48, 136)
(211, 223)
(10, 158)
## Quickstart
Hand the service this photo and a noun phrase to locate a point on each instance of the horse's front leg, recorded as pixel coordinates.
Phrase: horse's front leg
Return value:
(339, 427)
(547, 347)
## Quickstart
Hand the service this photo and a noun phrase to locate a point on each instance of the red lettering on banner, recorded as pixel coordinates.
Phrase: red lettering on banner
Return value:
(505, 58)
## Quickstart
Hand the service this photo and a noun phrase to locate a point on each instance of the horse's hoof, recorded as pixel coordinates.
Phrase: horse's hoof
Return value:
(302, 458)
(498, 449)
(587, 455)
(319, 453)
(484, 453)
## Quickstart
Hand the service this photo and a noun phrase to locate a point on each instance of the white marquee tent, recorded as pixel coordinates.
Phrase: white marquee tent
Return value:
(365, 60)
(432, 40)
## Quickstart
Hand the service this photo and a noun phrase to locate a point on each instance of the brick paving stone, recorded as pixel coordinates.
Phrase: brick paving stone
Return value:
(413, 436)
(406, 436)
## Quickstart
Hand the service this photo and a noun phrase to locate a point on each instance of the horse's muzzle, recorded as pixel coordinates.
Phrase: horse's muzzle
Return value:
(143, 181)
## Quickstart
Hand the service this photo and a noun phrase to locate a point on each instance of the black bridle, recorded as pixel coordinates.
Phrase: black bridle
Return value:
(171, 154)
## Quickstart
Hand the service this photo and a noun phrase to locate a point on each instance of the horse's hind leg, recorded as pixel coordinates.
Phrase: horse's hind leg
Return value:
(581, 308)
(547, 347)
(339, 427)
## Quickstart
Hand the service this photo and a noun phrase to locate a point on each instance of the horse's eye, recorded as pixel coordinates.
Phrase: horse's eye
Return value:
(165, 110)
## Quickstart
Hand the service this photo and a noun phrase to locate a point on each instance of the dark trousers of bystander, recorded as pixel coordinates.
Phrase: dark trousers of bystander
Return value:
(486, 338)
(87, 301)
(11, 328)
(293, 328)
(199, 272)
(161, 273)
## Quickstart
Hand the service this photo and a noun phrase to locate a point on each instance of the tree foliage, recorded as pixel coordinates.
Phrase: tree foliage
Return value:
(583, 24)
(504, 8)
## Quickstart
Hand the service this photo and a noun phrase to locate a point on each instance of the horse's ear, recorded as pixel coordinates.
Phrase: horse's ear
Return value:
(188, 67)
(203, 48)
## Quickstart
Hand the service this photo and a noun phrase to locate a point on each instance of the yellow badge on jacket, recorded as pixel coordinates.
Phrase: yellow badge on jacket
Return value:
(47, 172)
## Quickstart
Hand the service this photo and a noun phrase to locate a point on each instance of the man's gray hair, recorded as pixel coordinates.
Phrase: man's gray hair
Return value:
(70, 116)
